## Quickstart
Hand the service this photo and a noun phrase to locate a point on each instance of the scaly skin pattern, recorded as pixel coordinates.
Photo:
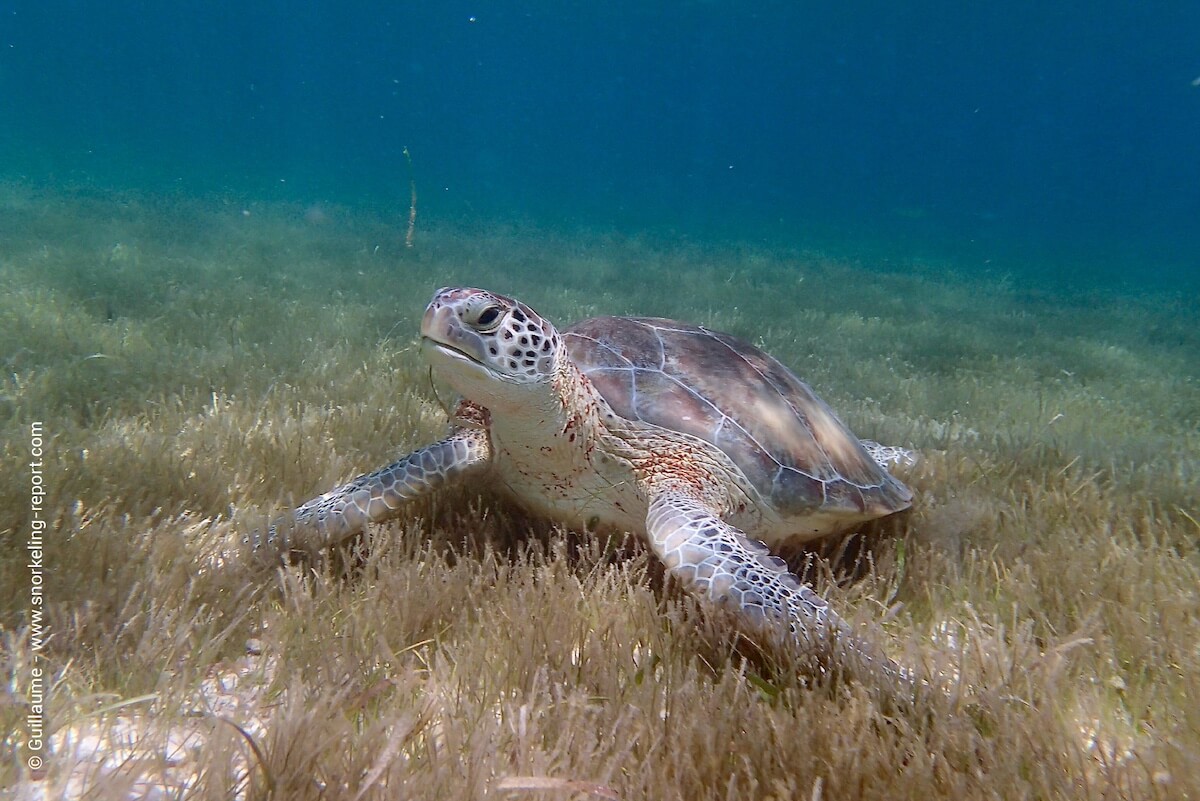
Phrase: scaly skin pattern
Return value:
(889, 457)
(720, 563)
(375, 497)
(692, 490)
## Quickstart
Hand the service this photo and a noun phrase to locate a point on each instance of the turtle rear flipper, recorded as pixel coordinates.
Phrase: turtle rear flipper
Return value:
(890, 457)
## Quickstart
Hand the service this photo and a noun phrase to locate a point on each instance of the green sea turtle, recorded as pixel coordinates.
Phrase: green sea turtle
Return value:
(704, 444)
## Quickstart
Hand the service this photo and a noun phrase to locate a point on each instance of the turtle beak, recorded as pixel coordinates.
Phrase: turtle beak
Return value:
(478, 338)
(441, 328)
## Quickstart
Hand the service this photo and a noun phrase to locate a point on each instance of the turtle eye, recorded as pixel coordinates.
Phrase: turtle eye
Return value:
(488, 318)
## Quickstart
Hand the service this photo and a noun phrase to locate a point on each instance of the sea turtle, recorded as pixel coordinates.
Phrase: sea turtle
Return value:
(704, 444)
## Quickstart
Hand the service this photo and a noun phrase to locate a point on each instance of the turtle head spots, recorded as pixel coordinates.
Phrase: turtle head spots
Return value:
(482, 342)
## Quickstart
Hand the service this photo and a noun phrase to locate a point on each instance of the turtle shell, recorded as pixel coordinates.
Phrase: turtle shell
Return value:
(791, 446)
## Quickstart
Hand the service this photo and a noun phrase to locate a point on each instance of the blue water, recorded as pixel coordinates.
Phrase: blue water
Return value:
(1020, 136)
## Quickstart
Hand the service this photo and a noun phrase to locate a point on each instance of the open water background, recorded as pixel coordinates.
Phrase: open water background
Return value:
(1043, 140)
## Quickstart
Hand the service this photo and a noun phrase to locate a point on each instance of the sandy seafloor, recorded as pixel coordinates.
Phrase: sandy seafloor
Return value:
(200, 363)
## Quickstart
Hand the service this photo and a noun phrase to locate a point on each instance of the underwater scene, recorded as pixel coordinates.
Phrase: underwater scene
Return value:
(900, 498)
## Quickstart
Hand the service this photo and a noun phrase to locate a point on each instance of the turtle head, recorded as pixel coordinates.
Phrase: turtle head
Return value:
(492, 349)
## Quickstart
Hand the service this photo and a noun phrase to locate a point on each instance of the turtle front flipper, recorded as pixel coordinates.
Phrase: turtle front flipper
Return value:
(720, 563)
(375, 497)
